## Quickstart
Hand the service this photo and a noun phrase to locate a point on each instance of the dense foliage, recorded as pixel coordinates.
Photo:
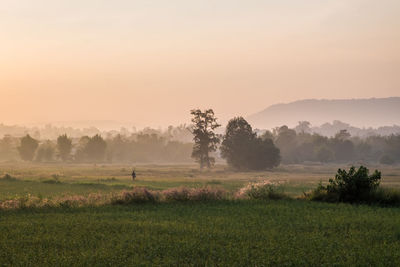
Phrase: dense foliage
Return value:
(243, 150)
(64, 146)
(299, 145)
(28, 148)
(204, 137)
(355, 186)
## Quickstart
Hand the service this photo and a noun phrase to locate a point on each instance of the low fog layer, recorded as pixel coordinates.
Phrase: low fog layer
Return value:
(300, 144)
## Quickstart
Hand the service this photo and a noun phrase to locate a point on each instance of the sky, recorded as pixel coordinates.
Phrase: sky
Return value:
(148, 63)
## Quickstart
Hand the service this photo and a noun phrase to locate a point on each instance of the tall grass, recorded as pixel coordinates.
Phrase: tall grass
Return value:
(133, 196)
(264, 190)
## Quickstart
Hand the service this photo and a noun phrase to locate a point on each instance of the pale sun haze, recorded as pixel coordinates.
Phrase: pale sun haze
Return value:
(149, 62)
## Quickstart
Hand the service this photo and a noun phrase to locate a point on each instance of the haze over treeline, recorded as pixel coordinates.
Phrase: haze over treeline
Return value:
(182, 132)
(296, 145)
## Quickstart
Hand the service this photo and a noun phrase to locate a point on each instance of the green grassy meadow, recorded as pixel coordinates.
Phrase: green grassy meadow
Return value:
(227, 233)
(238, 233)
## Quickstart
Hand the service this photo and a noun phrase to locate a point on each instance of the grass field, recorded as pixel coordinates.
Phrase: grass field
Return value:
(229, 233)
(240, 233)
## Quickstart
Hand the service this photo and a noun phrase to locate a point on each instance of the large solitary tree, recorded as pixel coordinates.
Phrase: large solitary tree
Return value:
(204, 137)
(243, 150)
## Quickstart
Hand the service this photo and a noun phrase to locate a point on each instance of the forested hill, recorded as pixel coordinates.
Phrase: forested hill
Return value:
(372, 112)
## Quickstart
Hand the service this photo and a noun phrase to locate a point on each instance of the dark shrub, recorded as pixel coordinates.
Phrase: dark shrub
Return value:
(356, 185)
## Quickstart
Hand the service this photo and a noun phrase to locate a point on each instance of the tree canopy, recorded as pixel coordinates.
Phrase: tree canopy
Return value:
(204, 137)
(28, 147)
(64, 146)
(243, 150)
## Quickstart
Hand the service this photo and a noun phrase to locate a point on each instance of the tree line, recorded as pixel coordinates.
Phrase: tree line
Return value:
(241, 146)
(244, 148)
(301, 146)
(141, 148)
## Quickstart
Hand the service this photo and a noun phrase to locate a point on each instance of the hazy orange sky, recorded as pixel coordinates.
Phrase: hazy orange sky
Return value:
(150, 62)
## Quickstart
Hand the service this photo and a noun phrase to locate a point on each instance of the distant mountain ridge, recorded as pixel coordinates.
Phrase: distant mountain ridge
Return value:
(373, 112)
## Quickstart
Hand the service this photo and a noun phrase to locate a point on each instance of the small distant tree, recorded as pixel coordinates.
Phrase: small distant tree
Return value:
(244, 150)
(324, 154)
(95, 149)
(303, 127)
(342, 135)
(28, 148)
(204, 137)
(8, 148)
(286, 141)
(64, 147)
(45, 151)
(342, 146)
(80, 154)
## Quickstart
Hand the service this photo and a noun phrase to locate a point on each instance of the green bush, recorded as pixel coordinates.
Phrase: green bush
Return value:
(356, 185)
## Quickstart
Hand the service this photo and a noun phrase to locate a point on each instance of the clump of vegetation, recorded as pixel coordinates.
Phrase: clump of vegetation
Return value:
(51, 181)
(243, 150)
(64, 147)
(30, 201)
(177, 194)
(355, 186)
(28, 148)
(55, 179)
(207, 194)
(194, 194)
(136, 195)
(8, 177)
(264, 190)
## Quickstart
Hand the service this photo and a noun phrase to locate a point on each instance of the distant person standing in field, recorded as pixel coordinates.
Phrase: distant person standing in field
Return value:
(133, 174)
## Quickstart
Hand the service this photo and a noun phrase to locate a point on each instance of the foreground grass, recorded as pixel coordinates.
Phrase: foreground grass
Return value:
(213, 233)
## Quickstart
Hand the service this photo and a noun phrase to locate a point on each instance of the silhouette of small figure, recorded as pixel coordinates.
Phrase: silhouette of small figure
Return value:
(133, 175)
